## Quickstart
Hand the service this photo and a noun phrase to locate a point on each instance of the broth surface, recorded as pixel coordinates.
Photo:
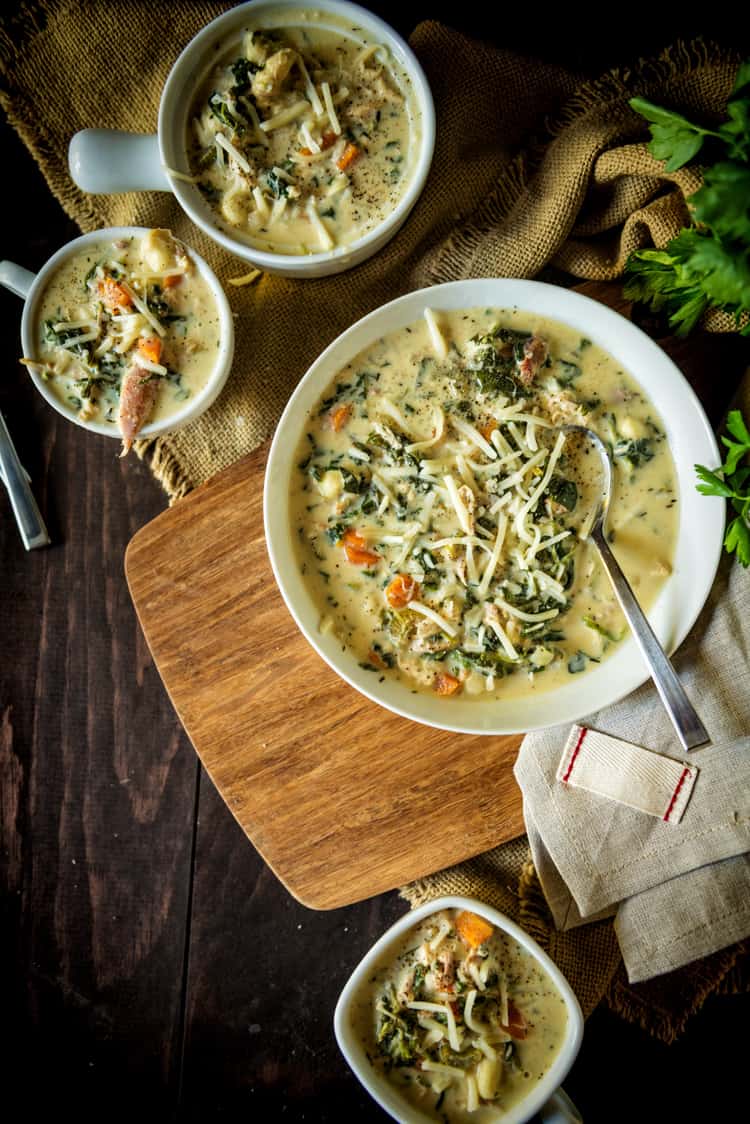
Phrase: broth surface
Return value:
(437, 505)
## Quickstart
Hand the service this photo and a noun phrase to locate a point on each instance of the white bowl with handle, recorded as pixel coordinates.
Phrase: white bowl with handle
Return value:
(107, 161)
(31, 286)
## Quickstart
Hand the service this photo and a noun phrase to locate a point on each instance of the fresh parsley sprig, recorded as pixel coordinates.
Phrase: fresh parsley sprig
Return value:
(708, 264)
(732, 481)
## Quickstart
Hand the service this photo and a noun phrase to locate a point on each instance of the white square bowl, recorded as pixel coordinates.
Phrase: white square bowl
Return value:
(386, 1094)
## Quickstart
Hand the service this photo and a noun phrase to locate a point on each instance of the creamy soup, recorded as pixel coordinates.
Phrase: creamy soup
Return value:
(439, 509)
(126, 332)
(302, 138)
(461, 1019)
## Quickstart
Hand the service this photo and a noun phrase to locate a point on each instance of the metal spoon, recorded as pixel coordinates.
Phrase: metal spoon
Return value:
(690, 730)
(29, 520)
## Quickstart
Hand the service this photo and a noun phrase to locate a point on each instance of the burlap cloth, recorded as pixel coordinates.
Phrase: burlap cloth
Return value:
(533, 167)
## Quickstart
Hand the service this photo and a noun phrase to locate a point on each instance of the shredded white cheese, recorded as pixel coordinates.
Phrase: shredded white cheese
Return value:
(333, 119)
(442, 1009)
(285, 116)
(439, 345)
(235, 153)
(441, 622)
(324, 238)
(310, 90)
(461, 510)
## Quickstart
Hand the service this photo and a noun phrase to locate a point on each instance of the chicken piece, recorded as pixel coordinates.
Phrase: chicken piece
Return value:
(137, 399)
(429, 638)
(162, 252)
(563, 409)
(267, 83)
(444, 971)
(534, 354)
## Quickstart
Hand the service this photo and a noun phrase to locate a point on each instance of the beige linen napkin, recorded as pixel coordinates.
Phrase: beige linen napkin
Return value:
(679, 890)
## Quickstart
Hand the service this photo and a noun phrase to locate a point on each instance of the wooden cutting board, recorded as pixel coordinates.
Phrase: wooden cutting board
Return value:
(342, 799)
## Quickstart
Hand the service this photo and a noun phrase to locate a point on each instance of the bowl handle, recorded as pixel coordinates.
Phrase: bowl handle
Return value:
(108, 161)
(559, 1109)
(16, 278)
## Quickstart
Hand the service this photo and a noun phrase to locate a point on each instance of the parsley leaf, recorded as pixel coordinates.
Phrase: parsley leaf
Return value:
(708, 264)
(674, 138)
(732, 483)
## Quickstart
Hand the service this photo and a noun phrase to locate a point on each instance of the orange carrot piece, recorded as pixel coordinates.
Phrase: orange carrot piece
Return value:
(340, 416)
(149, 347)
(356, 549)
(445, 684)
(472, 929)
(172, 280)
(114, 295)
(347, 157)
(401, 590)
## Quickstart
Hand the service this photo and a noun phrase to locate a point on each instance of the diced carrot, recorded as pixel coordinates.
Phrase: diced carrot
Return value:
(172, 280)
(401, 590)
(114, 295)
(340, 416)
(356, 549)
(347, 157)
(375, 659)
(305, 151)
(517, 1026)
(445, 684)
(149, 347)
(473, 929)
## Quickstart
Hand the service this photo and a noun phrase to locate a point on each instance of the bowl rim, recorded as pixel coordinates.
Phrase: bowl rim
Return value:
(377, 1085)
(699, 538)
(222, 365)
(171, 146)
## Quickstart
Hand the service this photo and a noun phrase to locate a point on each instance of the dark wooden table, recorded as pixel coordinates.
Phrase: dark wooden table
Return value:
(151, 967)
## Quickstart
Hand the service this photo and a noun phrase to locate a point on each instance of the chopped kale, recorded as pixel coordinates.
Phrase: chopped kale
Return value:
(567, 372)
(279, 187)
(637, 451)
(243, 71)
(563, 491)
(218, 108)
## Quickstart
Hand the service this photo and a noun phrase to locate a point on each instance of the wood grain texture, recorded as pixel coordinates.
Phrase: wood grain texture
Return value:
(342, 798)
(97, 780)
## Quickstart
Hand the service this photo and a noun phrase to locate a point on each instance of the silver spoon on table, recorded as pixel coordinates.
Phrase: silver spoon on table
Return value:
(690, 730)
(12, 474)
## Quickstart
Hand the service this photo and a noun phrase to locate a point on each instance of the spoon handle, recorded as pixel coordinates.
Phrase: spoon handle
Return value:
(690, 730)
(29, 520)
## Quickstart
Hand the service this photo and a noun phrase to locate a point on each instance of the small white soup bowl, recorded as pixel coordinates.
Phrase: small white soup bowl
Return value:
(699, 537)
(30, 287)
(546, 1096)
(106, 161)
